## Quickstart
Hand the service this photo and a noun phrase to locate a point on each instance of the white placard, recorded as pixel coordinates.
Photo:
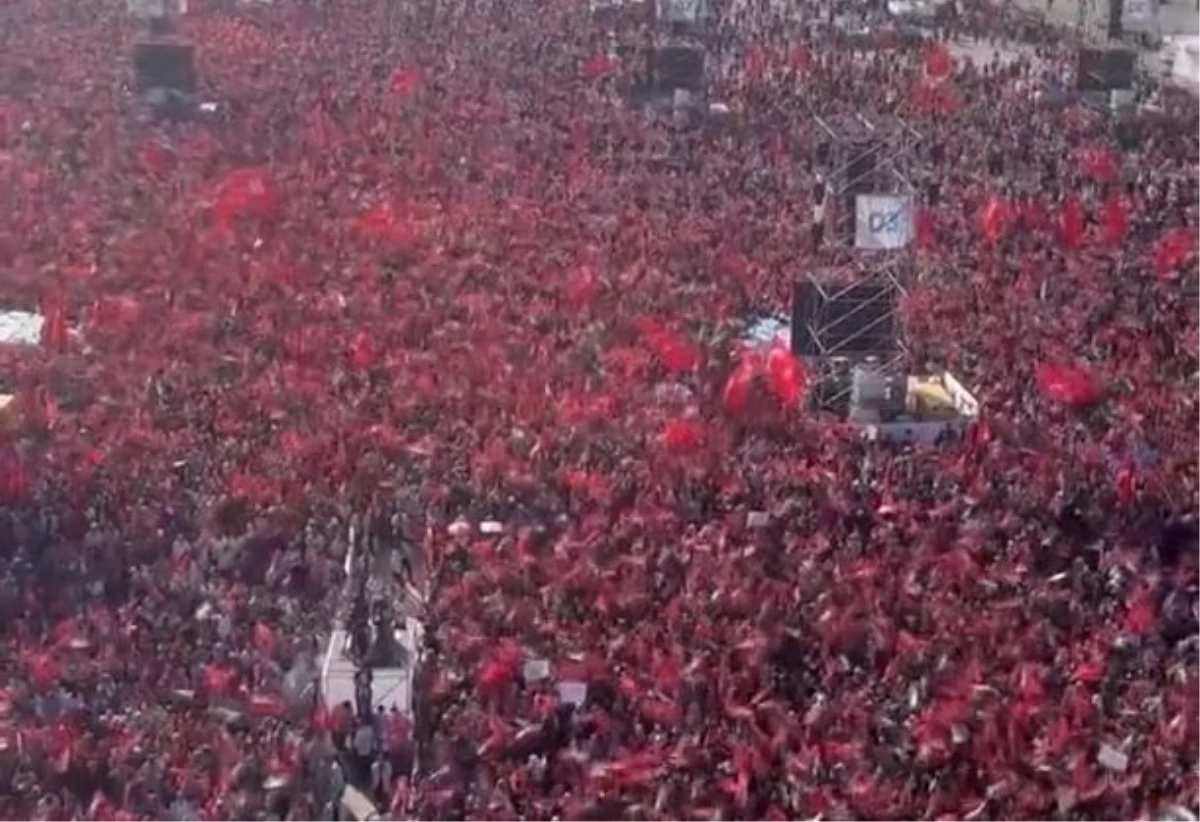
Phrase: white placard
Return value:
(882, 222)
(572, 692)
(535, 670)
(20, 327)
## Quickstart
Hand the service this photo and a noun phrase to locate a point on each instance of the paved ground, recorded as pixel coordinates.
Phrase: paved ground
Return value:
(1175, 17)
(984, 54)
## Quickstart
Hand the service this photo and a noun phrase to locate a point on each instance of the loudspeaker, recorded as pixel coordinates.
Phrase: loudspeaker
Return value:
(1105, 70)
(165, 65)
(1116, 10)
(677, 67)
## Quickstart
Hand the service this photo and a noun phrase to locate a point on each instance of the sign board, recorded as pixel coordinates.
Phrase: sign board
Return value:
(883, 222)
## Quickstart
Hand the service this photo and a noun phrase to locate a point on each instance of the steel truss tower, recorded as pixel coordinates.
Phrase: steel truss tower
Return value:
(845, 316)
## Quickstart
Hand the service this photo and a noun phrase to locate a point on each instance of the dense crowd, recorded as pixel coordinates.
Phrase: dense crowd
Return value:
(427, 255)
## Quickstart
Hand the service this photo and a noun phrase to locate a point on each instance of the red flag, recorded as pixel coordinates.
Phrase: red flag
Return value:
(217, 679)
(582, 287)
(247, 192)
(785, 376)
(54, 333)
(949, 101)
(1069, 385)
(994, 219)
(675, 352)
(1126, 484)
(362, 351)
(924, 97)
(44, 672)
(385, 225)
(1174, 249)
(1142, 613)
(1113, 221)
(925, 230)
(405, 81)
(1100, 163)
(1073, 223)
(938, 61)
(597, 67)
(738, 389)
(936, 98)
(265, 705)
(683, 436)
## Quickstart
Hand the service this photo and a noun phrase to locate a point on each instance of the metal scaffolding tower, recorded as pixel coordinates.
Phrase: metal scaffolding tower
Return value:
(845, 317)
(864, 156)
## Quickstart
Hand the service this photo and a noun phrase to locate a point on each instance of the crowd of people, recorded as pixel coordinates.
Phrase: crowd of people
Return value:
(427, 254)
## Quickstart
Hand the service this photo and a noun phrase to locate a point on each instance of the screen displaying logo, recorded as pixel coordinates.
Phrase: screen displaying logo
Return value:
(883, 222)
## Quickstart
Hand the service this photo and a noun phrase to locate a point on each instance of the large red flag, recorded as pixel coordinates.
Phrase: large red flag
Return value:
(785, 376)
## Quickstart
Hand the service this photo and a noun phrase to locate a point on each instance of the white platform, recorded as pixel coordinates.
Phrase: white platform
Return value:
(390, 687)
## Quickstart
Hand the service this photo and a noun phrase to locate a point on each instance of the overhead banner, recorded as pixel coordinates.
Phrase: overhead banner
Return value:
(883, 222)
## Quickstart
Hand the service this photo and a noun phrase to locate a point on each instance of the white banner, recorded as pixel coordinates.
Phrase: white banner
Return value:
(882, 222)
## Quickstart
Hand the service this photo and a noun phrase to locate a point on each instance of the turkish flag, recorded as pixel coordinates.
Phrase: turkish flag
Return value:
(1073, 223)
(1113, 221)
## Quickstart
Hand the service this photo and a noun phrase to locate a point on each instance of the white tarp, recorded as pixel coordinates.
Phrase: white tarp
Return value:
(20, 328)
(764, 332)
(883, 222)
